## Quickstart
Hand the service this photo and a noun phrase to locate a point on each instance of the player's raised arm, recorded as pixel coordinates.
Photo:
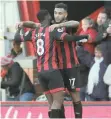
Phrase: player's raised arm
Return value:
(29, 24)
(23, 37)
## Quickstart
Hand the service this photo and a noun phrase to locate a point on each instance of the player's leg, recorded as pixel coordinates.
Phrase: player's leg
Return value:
(56, 87)
(58, 98)
(76, 103)
(50, 101)
(75, 94)
(44, 82)
(64, 76)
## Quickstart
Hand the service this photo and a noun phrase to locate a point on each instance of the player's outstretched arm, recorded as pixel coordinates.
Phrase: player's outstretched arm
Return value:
(61, 35)
(68, 37)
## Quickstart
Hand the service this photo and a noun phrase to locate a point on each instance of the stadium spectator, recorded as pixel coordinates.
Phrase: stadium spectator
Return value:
(97, 90)
(86, 48)
(16, 81)
(85, 59)
(106, 46)
(87, 29)
(107, 80)
(16, 50)
(101, 26)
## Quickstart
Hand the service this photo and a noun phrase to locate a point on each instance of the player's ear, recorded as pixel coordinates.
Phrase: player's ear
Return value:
(66, 14)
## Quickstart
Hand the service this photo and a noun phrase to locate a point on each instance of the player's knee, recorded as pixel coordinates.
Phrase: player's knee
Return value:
(57, 104)
(75, 96)
(58, 97)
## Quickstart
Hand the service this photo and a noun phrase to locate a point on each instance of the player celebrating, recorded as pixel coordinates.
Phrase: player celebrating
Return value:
(48, 73)
(68, 60)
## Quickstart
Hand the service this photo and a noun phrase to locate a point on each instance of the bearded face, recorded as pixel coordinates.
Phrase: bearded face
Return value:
(60, 15)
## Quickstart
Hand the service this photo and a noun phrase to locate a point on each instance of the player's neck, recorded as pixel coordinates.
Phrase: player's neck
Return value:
(64, 20)
(61, 21)
(45, 23)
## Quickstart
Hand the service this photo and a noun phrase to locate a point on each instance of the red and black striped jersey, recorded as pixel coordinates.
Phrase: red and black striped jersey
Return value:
(66, 53)
(45, 46)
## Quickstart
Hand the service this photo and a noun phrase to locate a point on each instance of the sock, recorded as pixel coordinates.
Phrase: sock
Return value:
(49, 113)
(77, 109)
(62, 115)
(55, 113)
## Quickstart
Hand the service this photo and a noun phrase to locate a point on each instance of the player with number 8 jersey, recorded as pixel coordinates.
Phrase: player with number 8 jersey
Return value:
(44, 43)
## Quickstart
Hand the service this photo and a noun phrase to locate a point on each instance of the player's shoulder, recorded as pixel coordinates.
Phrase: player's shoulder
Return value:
(59, 30)
(70, 30)
(62, 29)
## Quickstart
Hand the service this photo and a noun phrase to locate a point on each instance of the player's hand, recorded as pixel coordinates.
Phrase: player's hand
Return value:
(104, 35)
(38, 25)
(19, 25)
(52, 27)
(89, 37)
(83, 40)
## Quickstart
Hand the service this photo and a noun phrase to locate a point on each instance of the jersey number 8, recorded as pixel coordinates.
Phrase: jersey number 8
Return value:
(40, 47)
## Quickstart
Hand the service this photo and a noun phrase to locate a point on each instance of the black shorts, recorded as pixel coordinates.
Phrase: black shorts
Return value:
(51, 81)
(70, 79)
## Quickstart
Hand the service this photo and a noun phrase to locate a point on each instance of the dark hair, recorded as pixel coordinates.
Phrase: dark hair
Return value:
(104, 12)
(42, 14)
(61, 5)
(98, 48)
(108, 11)
(16, 42)
(90, 21)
